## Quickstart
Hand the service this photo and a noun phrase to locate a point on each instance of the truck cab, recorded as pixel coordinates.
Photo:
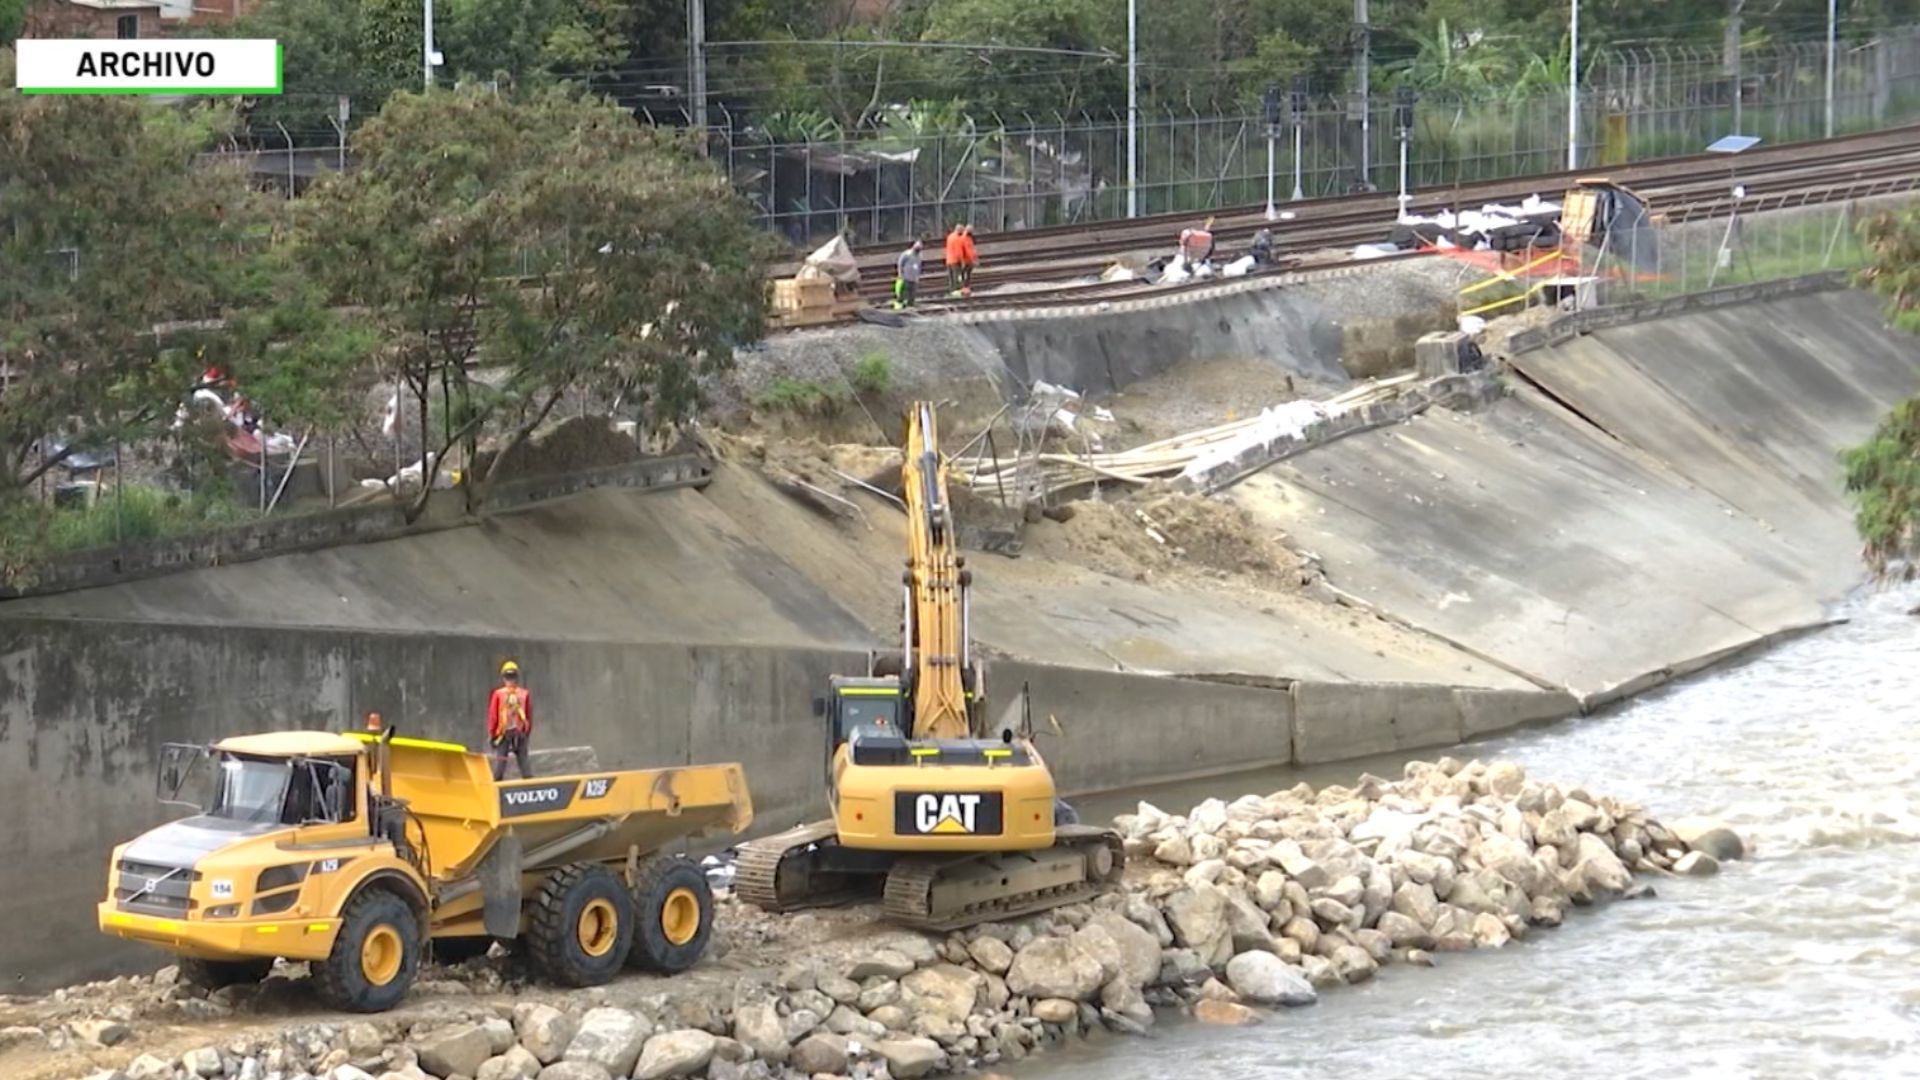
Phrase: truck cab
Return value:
(283, 819)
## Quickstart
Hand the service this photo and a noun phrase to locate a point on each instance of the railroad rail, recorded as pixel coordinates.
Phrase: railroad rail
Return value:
(1058, 260)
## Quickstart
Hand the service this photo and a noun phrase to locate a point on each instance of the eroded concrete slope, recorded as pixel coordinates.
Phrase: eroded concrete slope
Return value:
(1061, 613)
(606, 566)
(1751, 403)
(1672, 496)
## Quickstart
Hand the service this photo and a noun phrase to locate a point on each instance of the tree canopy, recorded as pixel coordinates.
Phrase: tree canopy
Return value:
(513, 252)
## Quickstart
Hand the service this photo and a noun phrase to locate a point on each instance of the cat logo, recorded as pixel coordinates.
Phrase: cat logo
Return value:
(947, 813)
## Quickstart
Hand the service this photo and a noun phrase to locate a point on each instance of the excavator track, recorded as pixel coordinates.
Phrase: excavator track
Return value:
(947, 893)
(781, 872)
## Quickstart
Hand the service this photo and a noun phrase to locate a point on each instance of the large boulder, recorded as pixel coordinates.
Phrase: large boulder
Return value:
(1266, 979)
(760, 1028)
(1404, 932)
(518, 1063)
(946, 990)
(889, 962)
(1198, 917)
(1504, 779)
(1225, 1013)
(1598, 867)
(1710, 835)
(456, 1051)
(908, 1059)
(821, 1052)
(1097, 942)
(1136, 950)
(672, 1055)
(1287, 854)
(1249, 925)
(1054, 968)
(991, 954)
(609, 1038)
(544, 1030)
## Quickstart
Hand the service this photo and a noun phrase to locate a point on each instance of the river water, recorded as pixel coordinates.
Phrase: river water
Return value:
(1803, 961)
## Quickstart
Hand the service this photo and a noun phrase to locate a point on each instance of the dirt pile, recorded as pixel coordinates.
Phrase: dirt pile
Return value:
(585, 442)
(1173, 534)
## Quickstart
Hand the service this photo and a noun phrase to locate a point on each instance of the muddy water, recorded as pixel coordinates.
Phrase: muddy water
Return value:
(1802, 962)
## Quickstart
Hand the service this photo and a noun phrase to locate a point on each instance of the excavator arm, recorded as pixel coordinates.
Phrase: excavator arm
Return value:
(936, 610)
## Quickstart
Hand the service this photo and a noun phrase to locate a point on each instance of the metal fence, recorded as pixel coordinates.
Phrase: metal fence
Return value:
(1012, 172)
(1020, 172)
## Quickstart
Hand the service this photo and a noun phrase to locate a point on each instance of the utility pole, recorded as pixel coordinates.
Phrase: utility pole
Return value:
(1730, 57)
(1271, 114)
(1573, 89)
(1833, 44)
(1362, 55)
(426, 45)
(1133, 109)
(697, 66)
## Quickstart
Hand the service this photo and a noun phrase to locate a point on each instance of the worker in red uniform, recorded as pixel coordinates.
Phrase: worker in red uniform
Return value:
(510, 722)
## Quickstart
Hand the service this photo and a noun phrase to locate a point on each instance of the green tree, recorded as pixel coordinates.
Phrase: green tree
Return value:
(515, 249)
(1012, 83)
(1883, 474)
(118, 256)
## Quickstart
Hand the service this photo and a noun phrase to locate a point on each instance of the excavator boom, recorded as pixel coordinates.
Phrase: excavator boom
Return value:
(936, 602)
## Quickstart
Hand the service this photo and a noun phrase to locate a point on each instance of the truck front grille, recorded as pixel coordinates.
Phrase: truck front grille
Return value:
(152, 889)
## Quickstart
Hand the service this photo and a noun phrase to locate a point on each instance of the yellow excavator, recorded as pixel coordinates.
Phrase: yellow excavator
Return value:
(958, 824)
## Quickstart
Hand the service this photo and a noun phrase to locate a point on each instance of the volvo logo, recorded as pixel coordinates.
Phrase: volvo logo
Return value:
(536, 798)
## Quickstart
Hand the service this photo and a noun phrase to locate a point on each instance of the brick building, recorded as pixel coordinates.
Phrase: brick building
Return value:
(93, 19)
(125, 18)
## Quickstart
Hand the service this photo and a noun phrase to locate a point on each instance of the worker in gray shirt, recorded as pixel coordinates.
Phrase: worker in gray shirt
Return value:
(908, 282)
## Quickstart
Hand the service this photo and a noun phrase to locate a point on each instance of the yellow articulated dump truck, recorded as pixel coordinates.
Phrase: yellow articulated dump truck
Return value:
(356, 851)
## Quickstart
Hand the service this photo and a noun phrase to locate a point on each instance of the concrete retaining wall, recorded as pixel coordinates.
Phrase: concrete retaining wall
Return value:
(331, 528)
(1337, 721)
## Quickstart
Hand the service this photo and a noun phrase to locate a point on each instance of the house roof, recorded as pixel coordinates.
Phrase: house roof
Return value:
(117, 5)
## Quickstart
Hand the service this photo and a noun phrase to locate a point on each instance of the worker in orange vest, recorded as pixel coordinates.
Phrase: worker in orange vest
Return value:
(951, 257)
(510, 722)
(969, 258)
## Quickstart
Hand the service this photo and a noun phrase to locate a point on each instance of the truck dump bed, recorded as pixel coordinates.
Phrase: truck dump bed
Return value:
(464, 810)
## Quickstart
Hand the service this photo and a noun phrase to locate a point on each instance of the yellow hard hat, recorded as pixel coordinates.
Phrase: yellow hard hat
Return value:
(509, 668)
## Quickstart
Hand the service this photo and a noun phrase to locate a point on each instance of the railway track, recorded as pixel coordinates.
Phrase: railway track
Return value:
(1057, 261)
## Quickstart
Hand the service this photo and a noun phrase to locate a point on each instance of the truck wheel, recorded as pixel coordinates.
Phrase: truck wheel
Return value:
(581, 925)
(675, 915)
(214, 974)
(375, 957)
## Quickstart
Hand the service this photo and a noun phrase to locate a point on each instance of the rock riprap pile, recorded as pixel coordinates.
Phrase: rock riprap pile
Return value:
(1229, 911)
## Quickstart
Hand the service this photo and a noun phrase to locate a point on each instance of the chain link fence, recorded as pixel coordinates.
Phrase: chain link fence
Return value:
(916, 176)
(1027, 171)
